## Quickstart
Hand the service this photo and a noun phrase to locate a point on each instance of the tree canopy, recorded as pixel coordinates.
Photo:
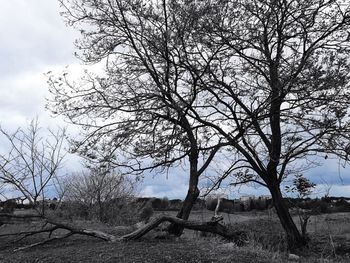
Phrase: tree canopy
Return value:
(265, 81)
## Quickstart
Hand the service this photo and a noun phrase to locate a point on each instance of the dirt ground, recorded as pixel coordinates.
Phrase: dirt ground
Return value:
(330, 242)
(88, 250)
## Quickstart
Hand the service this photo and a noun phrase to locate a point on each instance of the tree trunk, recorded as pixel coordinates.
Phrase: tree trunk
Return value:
(191, 197)
(213, 226)
(217, 208)
(185, 210)
(294, 238)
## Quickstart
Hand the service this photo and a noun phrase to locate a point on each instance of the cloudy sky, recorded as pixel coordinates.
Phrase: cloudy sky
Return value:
(35, 40)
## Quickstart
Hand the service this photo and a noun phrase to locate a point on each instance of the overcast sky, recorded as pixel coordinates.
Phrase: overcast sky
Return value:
(35, 40)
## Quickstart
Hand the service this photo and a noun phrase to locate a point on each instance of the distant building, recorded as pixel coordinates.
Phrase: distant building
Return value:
(250, 202)
(265, 197)
(246, 198)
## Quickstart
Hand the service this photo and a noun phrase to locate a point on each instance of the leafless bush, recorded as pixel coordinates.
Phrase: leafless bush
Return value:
(98, 193)
(30, 162)
(146, 212)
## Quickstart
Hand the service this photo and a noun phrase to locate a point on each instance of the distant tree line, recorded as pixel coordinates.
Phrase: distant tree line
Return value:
(231, 206)
(321, 205)
(317, 205)
(10, 205)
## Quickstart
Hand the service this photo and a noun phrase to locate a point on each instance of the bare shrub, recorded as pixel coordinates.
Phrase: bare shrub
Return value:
(99, 193)
(146, 212)
(30, 162)
(8, 206)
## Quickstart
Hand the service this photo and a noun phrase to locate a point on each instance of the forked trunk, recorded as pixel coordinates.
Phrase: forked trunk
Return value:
(187, 205)
(294, 238)
(185, 211)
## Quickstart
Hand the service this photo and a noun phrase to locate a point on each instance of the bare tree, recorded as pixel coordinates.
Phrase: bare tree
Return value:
(263, 80)
(280, 71)
(31, 162)
(138, 111)
(303, 187)
(98, 187)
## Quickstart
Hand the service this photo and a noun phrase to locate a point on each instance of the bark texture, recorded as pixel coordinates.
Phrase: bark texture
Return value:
(294, 238)
(213, 226)
(191, 197)
(51, 225)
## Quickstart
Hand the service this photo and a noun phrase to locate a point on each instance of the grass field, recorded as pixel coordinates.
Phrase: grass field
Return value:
(329, 233)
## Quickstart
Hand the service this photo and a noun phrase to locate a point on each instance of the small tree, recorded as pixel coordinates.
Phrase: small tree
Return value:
(303, 187)
(30, 162)
(98, 188)
(146, 212)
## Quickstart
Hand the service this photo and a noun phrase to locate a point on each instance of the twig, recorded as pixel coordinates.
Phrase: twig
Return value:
(43, 242)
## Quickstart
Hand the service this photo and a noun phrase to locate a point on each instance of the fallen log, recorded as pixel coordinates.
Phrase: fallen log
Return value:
(50, 225)
(212, 226)
(82, 231)
(11, 218)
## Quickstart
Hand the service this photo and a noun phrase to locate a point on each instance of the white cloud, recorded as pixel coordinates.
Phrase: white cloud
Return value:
(33, 35)
(174, 185)
(35, 40)
(331, 190)
(165, 191)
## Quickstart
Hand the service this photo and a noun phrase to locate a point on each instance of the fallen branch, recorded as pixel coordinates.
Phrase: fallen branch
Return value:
(26, 234)
(51, 225)
(43, 242)
(82, 231)
(212, 227)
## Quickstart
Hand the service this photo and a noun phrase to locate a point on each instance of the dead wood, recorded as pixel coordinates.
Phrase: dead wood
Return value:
(82, 231)
(212, 226)
(50, 225)
(43, 242)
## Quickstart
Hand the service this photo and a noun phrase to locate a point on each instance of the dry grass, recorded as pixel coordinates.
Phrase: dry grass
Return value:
(330, 242)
